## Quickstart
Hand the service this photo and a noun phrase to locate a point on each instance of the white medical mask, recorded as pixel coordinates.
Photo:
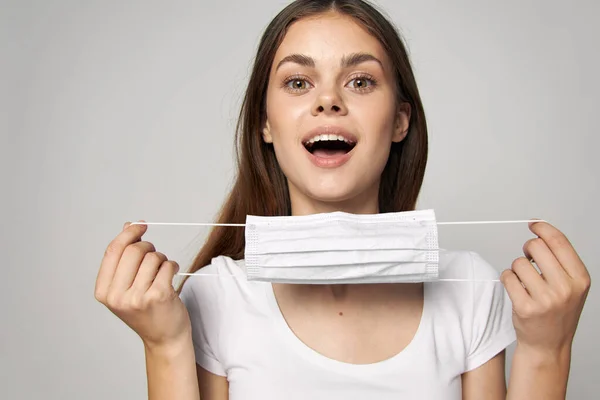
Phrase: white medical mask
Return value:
(343, 248)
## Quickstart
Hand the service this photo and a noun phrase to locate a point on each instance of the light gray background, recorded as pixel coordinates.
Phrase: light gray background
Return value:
(113, 111)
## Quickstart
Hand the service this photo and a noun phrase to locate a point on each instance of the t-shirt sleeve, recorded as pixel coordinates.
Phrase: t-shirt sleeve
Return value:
(200, 298)
(492, 326)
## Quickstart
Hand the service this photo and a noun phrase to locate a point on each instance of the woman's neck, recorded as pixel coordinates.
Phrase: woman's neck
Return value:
(365, 203)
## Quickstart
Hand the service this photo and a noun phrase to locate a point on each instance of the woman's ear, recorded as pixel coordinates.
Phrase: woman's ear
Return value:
(266, 133)
(402, 123)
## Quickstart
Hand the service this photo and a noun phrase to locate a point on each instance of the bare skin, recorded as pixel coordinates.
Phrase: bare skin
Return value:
(353, 323)
(134, 280)
(135, 283)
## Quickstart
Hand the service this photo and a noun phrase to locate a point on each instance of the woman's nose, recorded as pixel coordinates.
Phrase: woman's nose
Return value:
(329, 102)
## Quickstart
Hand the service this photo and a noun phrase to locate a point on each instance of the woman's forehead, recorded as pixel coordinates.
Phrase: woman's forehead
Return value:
(329, 37)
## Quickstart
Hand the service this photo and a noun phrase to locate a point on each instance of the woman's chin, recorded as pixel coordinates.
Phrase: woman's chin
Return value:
(331, 192)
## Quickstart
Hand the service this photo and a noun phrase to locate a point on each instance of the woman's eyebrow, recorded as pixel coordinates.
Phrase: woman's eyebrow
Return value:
(347, 61)
(352, 60)
(300, 59)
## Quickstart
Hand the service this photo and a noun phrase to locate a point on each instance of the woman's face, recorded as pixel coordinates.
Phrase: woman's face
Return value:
(332, 114)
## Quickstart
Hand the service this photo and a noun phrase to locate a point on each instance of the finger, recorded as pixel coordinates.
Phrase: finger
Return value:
(128, 266)
(165, 274)
(538, 251)
(112, 255)
(562, 249)
(516, 292)
(528, 275)
(148, 270)
(128, 224)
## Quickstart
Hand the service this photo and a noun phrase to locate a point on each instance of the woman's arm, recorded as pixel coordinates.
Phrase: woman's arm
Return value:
(212, 387)
(171, 372)
(487, 381)
(135, 282)
(539, 376)
(546, 311)
(532, 376)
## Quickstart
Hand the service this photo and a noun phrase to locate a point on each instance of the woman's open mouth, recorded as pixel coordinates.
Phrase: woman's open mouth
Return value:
(329, 145)
(329, 150)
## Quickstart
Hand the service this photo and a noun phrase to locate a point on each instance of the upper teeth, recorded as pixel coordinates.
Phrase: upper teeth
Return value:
(324, 137)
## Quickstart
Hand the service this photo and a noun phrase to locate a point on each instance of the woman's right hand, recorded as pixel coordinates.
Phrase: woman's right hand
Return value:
(135, 283)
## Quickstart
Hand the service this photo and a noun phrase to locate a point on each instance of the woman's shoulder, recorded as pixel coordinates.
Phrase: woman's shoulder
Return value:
(466, 281)
(472, 297)
(223, 284)
(467, 265)
(221, 273)
(221, 267)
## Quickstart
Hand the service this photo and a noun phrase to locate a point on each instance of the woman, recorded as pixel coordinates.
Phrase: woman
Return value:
(332, 121)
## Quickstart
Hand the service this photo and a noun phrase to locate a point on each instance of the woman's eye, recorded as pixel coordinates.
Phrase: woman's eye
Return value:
(298, 84)
(361, 83)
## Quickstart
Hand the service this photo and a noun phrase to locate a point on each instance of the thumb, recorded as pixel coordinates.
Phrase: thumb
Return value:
(128, 224)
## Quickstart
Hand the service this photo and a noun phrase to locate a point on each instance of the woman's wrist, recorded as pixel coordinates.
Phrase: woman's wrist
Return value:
(539, 373)
(171, 370)
(543, 357)
(169, 349)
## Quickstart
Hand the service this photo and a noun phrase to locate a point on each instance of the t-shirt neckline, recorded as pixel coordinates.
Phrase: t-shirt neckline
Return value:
(404, 357)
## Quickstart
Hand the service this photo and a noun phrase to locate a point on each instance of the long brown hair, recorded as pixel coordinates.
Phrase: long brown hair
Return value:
(260, 187)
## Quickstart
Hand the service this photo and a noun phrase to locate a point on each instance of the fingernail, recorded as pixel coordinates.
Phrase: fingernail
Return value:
(130, 224)
(141, 224)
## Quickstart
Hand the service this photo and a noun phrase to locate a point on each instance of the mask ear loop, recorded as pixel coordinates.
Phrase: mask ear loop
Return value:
(432, 281)
(243, 225)
(379, 222)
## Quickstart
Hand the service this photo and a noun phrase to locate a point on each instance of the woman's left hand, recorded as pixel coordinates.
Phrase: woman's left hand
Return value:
(547, 306)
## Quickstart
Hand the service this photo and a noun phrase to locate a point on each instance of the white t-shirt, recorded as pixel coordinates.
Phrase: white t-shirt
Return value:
(239, 332)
